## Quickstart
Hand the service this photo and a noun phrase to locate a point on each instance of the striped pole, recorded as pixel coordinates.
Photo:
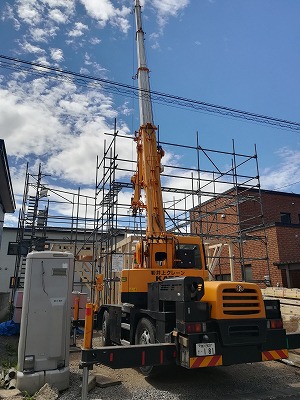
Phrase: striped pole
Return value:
(87, 344)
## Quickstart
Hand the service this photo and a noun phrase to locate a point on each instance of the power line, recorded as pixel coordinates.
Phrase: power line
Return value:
(124, 89)
(291, 184)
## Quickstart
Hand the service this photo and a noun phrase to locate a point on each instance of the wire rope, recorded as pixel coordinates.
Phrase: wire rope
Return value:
(158, 97)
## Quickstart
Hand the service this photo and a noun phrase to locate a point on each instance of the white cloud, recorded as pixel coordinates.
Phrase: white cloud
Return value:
(154, 36)
(76, 162)
(104, 12)
(126, 109)
(8, 14)
(69, 4)
(29, 11)
(59, 123)
(56, 54)
(286, 174)
(95, 40)
(78, 30)
(11, 220)
(30, 48)
(164, 10)
(28, 126)
(92, 67)
(168, 8)
(18, 174)
(41, 18)
(154, 39)
(43, 61)
(58, 16)
(33, 12)
(42, 34)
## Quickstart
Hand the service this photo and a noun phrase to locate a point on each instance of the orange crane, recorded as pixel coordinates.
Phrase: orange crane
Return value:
(160, 254)
(168, 304)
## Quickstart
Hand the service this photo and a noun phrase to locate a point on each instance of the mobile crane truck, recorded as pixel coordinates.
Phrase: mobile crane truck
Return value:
(167, 300)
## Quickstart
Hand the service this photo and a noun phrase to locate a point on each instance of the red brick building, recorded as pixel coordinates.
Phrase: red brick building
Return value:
(252, 235)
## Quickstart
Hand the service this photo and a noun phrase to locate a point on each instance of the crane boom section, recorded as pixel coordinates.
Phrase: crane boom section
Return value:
(147, 177)
(149, 154)
(145, 105)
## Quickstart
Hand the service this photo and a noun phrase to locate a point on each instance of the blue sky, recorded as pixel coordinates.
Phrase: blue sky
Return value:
(235, 53)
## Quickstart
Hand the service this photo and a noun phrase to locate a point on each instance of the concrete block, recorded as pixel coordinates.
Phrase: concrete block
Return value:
(33, 382)
(30, 383)
(6, 394)
(91, 383)
(104, 381)
(47, 392)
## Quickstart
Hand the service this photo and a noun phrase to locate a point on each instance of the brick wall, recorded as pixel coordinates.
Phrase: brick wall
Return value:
(219, 223)
(275, 203)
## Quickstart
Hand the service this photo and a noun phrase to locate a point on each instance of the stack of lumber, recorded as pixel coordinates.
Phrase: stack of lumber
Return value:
(290, 311)
(289, 305)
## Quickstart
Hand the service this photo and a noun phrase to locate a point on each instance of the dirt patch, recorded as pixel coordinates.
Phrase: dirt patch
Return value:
(9, 351)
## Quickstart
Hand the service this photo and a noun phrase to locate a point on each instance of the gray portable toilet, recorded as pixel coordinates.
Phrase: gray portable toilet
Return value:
(43, 354)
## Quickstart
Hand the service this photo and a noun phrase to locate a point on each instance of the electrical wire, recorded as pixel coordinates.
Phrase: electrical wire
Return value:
(290, 184)
(124, 89)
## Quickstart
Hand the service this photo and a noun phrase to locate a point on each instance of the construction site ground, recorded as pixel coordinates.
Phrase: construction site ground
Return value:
(268, 380)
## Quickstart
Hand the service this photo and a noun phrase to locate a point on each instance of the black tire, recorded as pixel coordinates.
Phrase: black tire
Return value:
(146, 334)
(106, 341)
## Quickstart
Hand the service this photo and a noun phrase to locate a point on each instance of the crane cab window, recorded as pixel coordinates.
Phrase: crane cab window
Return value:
(160, 257)
(188, 256)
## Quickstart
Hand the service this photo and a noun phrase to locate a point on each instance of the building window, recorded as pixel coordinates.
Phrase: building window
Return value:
(223, 277)
(285, 218)
(247, 272)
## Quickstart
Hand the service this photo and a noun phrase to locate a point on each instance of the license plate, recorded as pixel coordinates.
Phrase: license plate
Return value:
(205, 349)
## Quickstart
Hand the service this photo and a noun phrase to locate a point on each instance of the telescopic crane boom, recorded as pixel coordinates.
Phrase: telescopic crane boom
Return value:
(145, 105)
(159, 253)
(149, 154)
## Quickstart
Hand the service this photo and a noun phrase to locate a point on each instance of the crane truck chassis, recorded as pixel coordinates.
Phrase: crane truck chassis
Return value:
(178, 326)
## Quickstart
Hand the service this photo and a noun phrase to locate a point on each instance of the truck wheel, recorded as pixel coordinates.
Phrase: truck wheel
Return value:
(106, 341)
(146, 334)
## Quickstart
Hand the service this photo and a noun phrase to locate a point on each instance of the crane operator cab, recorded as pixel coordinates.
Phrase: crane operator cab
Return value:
(157, 259)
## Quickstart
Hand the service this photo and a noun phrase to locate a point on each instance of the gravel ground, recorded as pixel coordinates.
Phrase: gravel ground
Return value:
(271, 380)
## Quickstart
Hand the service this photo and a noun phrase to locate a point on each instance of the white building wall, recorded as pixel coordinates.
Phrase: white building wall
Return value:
(1, 222)
(7, 263)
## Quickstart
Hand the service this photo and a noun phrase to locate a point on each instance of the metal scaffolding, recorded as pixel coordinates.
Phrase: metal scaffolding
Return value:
(215, 194)
(53, 219)
(217, 197)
